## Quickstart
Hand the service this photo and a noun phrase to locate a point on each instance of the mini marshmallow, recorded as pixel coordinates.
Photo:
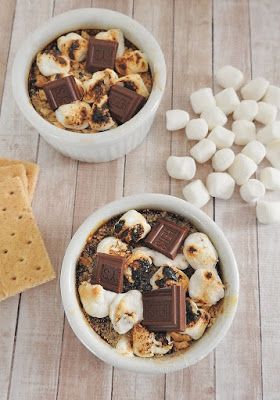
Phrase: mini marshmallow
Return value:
(101, 119)
(126, 310)
(124, 347)
(220, 185)
(51, 64)
(229, 77)
(74, 115)
(270, 177)
(113, 246)
(244, 131)
(199, 251)
(136, 261)
(269, 132)
(254, 150)
(214, 116)
(132, 227)
(266, 114)
(99, 85)
(272, 95)
(206, 286)
(222, 160)
(169, 276)
(254, 89)
(202, 99)
(268, 212)
(242, 168)
(247, 109)
(222, 137)
(227, 100)
(95, 300)
(176, 119)
(132, 62)
(117, 36)
(196, 129)
(273, 153)
(73, 45)
(196, 193)
(197, 320)
(160, 259)
(203, 150)
(252, 190)
(181, 167)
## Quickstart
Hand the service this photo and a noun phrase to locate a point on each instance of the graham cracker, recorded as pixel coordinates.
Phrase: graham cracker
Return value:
(32, 171)
(11, 171)
(24, 262)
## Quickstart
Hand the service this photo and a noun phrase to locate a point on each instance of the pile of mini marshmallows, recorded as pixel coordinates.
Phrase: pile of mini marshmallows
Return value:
(260, 103)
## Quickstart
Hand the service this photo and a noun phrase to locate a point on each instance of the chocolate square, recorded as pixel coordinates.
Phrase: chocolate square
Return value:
(101, 54)
(124, 103)
(165, 309)
(166, 237)
(62, 91)
(109, 272)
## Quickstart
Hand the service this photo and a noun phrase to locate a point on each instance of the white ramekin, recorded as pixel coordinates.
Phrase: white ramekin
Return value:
(103, 350)
(102, 146)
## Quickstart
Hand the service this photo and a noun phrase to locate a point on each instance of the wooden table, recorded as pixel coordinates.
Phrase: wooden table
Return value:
(40, 358)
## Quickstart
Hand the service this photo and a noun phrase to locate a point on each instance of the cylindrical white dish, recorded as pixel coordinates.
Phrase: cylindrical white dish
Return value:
(102, 146)
(93, 341)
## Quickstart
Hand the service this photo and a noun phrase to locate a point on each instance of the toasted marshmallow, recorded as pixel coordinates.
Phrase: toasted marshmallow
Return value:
(254, 89)
(126, 310)
(273, 153)
(160, 260)
(101, 119)
(132, 62)
(95, 300)
(197, 320)
(229, 77)
(132, 227)
(145, 344)
(117, 36)
(124, 347)
(113, 246)
(134, 82)
(98, 86)
(206, 286)
(181, 167)
(51, 63)
(74, 115)
(199, 251)
(169, 276)
(73, 45)
(137, 263)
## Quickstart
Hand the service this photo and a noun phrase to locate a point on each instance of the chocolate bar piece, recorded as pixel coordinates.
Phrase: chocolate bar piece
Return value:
(165, 309)
(62, 91)
(166, 237)
(124, 103)
(109, 272)
(101, 54)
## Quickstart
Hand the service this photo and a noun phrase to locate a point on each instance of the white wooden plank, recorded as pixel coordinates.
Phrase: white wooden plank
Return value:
(265, 40)
(238, 358)
(192, 70)
(13, 147)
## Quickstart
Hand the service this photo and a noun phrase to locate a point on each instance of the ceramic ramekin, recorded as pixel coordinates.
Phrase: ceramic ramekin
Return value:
(102, 146)
(103, 350)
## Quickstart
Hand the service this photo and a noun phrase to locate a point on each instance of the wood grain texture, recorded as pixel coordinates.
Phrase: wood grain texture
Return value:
(241, 350)
(265, 33)
(192, 70)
